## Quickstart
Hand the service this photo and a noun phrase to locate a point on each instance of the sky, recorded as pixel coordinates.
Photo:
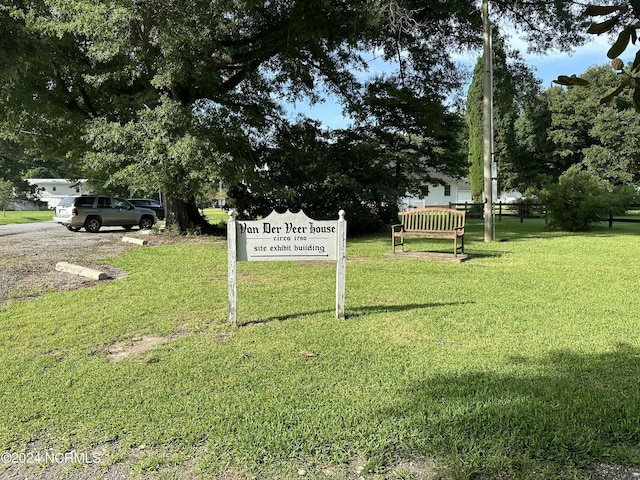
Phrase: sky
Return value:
(552, 65)
(547, 68)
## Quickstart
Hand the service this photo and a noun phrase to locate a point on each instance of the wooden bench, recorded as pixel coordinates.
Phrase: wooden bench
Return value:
(430, 222)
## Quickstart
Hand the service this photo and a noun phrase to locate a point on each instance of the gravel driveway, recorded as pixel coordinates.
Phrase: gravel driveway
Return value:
(28, 260)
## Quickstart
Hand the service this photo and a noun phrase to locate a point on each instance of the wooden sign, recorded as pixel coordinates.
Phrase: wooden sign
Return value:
(286, 237)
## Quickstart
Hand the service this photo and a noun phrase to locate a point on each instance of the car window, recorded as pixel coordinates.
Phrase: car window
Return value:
(85, 201)
(66, 201)
(121, 203)
(104, 202)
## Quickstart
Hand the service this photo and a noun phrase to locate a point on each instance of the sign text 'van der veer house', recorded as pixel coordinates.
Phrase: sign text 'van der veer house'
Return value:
(285, 237)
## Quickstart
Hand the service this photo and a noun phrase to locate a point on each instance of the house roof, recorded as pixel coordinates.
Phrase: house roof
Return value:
(55, 181)
(463, 182)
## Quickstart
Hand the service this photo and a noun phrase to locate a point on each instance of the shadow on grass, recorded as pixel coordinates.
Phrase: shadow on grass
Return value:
(560, 414)
(355, 312)
(431, 253)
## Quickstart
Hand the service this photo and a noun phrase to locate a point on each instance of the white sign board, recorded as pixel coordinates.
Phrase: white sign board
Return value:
(287, 236)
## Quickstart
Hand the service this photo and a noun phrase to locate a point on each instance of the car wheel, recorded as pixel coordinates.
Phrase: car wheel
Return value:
(92, 224)
(146, 223)
(72, 229)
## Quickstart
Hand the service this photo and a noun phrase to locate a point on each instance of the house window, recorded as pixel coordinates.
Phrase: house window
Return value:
(53, 189)
(424, 190)
(77, 189)
(447, 190)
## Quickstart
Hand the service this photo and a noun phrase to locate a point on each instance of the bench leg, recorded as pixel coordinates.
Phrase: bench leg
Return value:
(393, 241)
(455, 245)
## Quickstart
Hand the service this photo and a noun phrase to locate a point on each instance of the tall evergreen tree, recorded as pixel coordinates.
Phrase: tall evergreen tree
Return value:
(513, 82)
(476, 132)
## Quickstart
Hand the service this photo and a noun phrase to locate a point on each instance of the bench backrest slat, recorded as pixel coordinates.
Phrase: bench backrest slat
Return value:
(438, 219)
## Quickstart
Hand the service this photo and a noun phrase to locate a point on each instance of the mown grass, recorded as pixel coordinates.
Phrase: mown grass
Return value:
(11, 216)
(214, 216)
(522, 362)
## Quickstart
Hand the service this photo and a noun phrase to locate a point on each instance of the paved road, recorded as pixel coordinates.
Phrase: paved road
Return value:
(17, 228)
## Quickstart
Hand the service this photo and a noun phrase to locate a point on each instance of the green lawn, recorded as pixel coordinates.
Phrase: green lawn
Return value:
(215, 215)
(521, 363)
(9, 217)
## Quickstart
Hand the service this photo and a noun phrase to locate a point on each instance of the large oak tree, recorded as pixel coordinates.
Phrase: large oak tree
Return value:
(164, 93)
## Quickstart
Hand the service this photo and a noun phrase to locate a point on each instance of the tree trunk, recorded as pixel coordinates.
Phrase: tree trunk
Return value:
(186, 217)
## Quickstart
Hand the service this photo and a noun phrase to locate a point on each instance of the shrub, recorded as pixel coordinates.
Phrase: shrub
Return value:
(579, 200)
(529, 206)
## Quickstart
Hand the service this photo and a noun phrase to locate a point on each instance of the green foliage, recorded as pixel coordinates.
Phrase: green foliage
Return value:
(161, 149)
(362, 170)
(528, 206)
(323, 173)
(623, 18)
(476, 133)
(533, 163)
(513, 83)
(568, 126)
(76, 71)
(580, 200)
(6, 193)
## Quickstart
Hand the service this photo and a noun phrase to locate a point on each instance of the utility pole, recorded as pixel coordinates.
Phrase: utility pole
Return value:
(487, 116)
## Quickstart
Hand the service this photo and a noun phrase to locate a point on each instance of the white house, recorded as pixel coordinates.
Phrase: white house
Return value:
(52, 190)
(454, 190)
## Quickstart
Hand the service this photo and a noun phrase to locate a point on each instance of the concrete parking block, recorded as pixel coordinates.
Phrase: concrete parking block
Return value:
(137, 241)
(82, 271)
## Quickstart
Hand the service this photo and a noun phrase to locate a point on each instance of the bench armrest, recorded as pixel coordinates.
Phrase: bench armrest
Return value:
(397, 227)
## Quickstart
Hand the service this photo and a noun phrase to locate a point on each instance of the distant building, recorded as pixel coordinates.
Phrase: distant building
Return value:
(452, 190)
(512, 196)
(52, 190)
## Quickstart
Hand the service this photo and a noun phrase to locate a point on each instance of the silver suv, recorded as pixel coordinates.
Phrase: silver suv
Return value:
(94, 211)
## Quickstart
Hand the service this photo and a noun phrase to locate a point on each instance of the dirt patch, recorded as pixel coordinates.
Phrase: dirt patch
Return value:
(120, 351)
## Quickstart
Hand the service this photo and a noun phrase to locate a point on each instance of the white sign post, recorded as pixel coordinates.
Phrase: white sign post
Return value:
(286, 236)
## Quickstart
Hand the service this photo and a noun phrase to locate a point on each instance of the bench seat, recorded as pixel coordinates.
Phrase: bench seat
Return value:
(430, 222)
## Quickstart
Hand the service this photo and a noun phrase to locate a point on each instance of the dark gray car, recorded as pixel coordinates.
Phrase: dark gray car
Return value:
(149, 203)
(95, 211)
